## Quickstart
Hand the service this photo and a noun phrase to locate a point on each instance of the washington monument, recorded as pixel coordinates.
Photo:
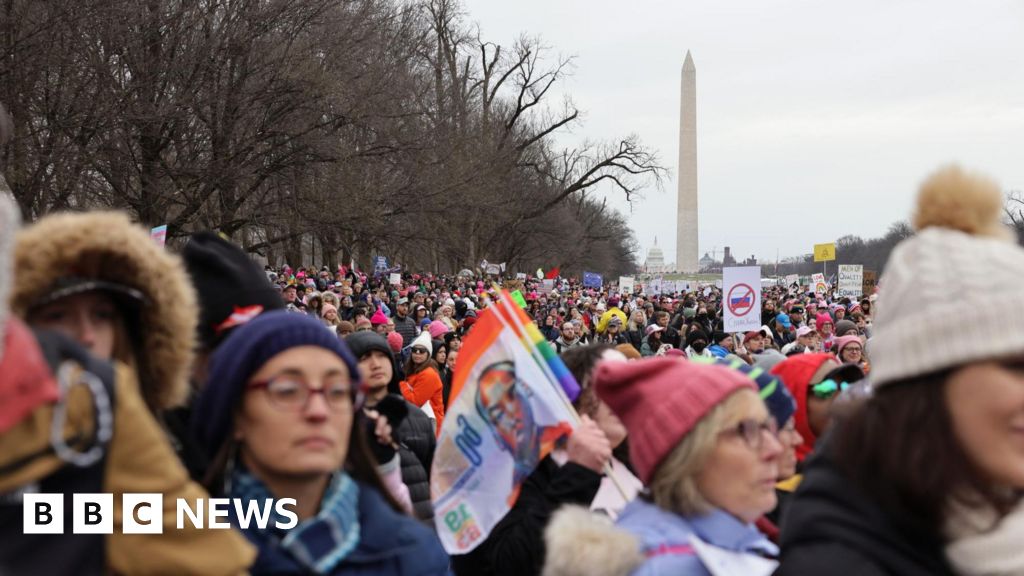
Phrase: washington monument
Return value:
(686, 219)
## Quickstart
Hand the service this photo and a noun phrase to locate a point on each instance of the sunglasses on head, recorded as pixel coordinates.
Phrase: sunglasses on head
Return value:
(828, 388)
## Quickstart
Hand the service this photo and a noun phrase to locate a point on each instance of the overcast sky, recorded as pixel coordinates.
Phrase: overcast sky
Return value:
(814, 119)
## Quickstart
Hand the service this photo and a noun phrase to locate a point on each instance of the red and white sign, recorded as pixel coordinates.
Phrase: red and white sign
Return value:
(742, 293)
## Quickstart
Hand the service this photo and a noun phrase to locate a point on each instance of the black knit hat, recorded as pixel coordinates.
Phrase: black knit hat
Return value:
(232, 288)
(362, 343)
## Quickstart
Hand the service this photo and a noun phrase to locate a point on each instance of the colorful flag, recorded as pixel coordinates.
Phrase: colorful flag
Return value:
(517, 296)
(159, 235)
(511, 399)
(553, 273)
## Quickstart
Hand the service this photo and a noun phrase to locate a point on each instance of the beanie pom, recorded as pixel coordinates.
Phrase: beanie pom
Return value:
(959, 200)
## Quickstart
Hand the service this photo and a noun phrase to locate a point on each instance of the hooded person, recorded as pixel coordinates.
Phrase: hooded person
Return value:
(808, 376)
(612, 311)
(101, 279)
(925, 475)
(71, 423)
(415, 434)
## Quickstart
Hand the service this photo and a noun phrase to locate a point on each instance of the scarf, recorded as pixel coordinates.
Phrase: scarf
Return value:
(319, 543)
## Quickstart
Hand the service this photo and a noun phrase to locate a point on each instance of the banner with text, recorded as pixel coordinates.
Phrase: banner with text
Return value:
(742, 294)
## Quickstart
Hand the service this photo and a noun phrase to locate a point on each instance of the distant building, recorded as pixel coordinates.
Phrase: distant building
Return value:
(655, 262)
(707, 262)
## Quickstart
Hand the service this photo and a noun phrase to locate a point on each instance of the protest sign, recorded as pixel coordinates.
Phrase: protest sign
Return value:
(592, 280)
(851, 280)
(626, 285)
(824, 252)
(818, 281)
(742, 298)
(395, 279)
(870, 281)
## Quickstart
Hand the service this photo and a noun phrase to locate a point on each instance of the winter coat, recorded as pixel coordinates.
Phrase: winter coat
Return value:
(550, 333)
(561, 345)
(416, 442)
(636, 338)
(646, 349)
(425, 386)
(832, 528)
(136, 459)
(108, 246)
(515, 547)
(406, 326)
(649, 541)
(390, 544)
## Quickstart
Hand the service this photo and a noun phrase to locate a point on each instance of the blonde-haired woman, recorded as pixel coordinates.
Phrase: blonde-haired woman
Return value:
(705, 445)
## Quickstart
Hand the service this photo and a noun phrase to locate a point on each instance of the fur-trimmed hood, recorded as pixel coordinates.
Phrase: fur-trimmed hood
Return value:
(108, 246)
(580, 542)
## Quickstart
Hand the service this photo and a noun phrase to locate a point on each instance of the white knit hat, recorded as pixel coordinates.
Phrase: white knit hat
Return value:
(962, 258)
(425, 341)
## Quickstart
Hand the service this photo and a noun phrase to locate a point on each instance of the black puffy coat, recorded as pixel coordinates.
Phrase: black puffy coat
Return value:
(515, 547)
(416, 443)
(830, 527)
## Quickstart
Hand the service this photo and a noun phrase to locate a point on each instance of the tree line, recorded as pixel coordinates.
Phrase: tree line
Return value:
(313, 130)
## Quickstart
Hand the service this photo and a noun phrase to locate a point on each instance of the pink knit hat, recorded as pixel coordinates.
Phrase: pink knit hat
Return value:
(378, 318)
(395, 342)
(843, 342)
(660, 400)
(437, 329)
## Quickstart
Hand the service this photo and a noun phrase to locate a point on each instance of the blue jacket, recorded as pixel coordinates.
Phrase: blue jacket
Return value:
(390, 544)
(665, 538)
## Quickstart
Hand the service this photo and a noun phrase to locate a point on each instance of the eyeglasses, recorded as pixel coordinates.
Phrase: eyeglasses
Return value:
(292, 394)
(852, 349)
(418, 350)
(828, 388)
(752, 431)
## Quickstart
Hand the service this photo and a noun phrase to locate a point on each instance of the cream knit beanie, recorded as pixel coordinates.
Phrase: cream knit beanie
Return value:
(962, 258)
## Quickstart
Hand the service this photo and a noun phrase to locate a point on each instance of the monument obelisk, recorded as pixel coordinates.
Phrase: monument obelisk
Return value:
(686, 217)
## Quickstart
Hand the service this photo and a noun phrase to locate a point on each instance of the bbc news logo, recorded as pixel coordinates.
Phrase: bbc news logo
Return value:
(144, 513)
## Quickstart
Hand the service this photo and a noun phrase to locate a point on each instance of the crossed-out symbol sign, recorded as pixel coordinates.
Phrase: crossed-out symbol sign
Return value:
(741, 299)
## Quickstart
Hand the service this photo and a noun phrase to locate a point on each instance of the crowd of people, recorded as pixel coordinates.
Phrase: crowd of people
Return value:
(880, 435)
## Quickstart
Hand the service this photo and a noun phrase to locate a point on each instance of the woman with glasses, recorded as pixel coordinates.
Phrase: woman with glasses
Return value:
(422, 385)
(705, 445)
(282, 413)
(849, 349)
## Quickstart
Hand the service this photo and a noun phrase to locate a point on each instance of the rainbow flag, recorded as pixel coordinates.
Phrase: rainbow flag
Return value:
(510, 401)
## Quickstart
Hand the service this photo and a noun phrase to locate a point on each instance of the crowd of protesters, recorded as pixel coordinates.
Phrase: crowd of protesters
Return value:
(880, 435)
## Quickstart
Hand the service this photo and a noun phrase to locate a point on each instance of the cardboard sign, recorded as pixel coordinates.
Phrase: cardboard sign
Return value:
(851, 280)
(818, 281)
(870, 281)
(742, 298)
(395, 278)
(824, 252)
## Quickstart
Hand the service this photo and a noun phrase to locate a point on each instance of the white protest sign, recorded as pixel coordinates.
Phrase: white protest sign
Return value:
(851, 280)
(818, 281)
(742, 298)
(520, 276)
(549, 285)
(656, 286)
(395, 278)
(719, 283)
(626, 285)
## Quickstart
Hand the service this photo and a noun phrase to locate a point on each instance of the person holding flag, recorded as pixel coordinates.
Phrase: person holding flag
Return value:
(497, 477)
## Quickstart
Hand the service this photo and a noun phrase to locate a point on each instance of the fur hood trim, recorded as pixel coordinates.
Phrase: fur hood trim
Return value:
(582, 543)
(108, 246)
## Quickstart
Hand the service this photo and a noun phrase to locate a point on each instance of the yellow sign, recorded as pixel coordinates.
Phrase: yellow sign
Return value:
(824, 252)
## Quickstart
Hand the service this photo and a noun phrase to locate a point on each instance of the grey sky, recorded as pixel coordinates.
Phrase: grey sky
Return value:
(814, 119)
